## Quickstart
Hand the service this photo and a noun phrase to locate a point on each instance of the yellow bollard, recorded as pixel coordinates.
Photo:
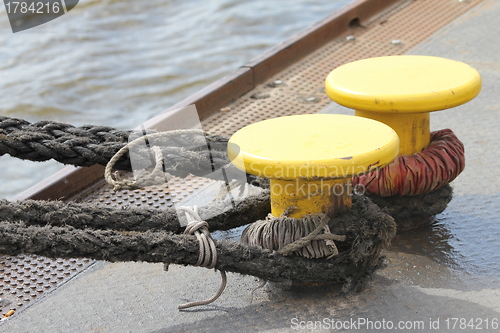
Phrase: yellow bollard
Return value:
(401, 91)
(310, 159)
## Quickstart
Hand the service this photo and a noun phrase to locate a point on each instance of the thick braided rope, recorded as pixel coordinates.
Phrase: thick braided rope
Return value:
(437, 165)
(88, 145)
(86, 215)
(208, 251)
(368, 230)
(45, 140)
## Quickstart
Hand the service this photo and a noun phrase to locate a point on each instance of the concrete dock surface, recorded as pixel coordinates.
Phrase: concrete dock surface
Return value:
(441, 278)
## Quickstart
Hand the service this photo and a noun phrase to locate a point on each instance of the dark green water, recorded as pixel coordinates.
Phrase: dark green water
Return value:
(120, 62)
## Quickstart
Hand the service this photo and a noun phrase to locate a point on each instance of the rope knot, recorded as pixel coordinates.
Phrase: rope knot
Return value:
(143, 178)
(308, 236)
(208, 252)
(327, 236)
(196, 226)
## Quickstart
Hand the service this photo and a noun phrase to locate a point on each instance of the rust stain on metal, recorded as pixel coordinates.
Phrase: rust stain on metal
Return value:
(8, 314)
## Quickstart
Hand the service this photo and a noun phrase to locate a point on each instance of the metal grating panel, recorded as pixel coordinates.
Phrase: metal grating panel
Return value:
(24, 279)
(297, 90)
(300, 88)
(151, 197)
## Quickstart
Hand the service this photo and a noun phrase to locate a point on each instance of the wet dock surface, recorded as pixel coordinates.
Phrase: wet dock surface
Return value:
(441, 278)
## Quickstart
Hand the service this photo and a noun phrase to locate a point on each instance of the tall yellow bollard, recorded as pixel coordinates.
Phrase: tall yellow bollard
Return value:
(401, 91)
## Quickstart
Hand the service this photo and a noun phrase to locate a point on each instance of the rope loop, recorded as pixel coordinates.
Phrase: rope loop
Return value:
(208, 252)
(157, 175)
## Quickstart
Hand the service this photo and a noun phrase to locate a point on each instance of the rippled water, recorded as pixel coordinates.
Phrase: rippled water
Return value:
(119, 62)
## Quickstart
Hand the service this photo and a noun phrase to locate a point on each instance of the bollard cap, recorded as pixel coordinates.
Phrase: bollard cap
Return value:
(403, 84)
(313, 146)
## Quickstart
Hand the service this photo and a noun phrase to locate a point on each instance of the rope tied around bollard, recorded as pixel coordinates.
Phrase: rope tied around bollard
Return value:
(57, 230)
(421, 173)
(289, 235)
(70, 230)
(88, 145)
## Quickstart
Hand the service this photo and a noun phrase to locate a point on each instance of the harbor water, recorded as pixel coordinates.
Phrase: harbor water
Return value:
(120, 62)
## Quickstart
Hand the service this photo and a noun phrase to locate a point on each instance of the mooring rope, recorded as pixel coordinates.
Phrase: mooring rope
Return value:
(346, 248)
(367, 229)
(208, 251)
(86, 215)
(437, 165)
(88, 145)
(417, 210)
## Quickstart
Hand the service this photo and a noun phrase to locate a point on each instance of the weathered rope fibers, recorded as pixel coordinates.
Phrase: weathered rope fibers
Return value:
(366, 228)
(88, 145)
(86, 215)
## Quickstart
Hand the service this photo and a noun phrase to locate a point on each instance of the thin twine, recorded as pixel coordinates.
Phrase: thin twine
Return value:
(143, 179)
(285, 234)
(196, 226)
(328, 237)
(208, 252)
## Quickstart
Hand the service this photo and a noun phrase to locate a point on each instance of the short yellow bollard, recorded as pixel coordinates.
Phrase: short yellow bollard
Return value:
(400, 91)
(310, 159)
